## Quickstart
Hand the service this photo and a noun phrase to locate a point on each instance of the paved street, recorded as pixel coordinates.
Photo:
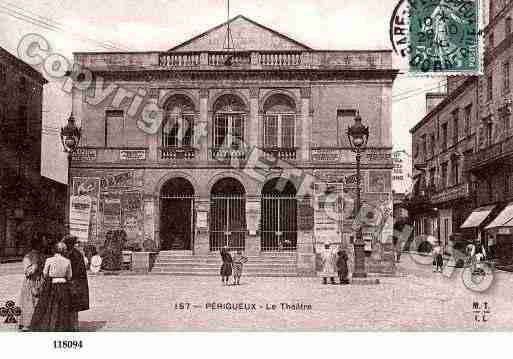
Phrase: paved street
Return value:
(417, 299)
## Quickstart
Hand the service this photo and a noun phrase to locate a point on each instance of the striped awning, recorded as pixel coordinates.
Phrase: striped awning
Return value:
(504, 219)
(477, 217)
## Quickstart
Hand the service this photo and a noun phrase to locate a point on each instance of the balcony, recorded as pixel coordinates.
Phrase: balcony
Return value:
(286, 154)
(177, 153)
(460, 191)
(495, 152)
(247, 60)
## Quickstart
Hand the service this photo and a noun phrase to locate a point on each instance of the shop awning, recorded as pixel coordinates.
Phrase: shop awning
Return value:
(477, 217)
(504, 219)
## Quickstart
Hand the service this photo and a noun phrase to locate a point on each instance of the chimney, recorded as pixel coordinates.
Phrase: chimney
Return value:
(433, 99)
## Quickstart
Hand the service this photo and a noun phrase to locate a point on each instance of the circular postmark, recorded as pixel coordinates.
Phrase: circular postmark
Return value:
(443, 35)
(399, 28)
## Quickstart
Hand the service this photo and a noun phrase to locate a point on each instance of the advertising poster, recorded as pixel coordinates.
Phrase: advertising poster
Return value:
(111, 213)
(131, 205)
(80, 217)
(328, 206)
(90, 187)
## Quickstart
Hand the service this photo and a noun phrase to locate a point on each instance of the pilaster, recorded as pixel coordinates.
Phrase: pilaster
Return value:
(201, 127)
(201, 240)
(252, 128)
(305, 123)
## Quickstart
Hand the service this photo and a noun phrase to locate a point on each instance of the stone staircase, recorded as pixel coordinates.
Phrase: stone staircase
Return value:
(275, 264)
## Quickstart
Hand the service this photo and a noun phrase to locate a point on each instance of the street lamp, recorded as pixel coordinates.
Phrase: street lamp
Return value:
(70, 138)
(358, 136)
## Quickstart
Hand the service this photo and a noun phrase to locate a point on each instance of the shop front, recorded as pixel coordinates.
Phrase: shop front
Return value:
(500, 232)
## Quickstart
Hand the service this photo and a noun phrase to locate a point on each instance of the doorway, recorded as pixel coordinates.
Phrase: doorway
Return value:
(177, 215)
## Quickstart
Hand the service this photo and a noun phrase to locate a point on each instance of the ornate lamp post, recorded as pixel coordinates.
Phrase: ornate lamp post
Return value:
(70, 138)
(358, 136)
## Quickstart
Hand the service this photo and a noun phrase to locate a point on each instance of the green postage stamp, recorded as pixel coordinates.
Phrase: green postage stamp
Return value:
(444, 37)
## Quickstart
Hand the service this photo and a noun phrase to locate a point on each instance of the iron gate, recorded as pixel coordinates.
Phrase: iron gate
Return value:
(227, 222)
(279, 223)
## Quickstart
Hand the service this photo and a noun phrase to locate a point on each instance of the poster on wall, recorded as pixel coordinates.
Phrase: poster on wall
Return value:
(133, 224)
(80, 217)
(328, 205)
(111, 213)
(90, 187)
(380, 181)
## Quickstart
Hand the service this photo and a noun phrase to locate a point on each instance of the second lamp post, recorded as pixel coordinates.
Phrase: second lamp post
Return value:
(70, 137)
(358, 136)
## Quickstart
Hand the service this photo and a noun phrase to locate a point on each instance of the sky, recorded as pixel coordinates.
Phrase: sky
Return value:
(95, 25)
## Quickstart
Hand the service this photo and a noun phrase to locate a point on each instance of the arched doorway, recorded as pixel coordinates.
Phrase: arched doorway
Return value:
(227, 215)
(279, 216)
(177, 215)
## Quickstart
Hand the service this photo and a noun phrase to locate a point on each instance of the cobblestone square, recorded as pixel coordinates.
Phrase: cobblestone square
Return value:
(415, 300)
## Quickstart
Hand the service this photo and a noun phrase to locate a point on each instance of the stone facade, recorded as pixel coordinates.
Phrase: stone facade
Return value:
(30, 204)
(313, 97)
(446, 136)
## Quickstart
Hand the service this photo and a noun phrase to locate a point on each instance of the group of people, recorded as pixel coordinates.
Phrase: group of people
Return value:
(231, 266)
(334, 264)
(55, 288)
(473, 256)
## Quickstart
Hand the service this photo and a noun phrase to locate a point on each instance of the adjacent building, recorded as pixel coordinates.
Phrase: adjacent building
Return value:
(441, 198)
(30, 204)
(491, 166)
(463, 152)
(235, 138)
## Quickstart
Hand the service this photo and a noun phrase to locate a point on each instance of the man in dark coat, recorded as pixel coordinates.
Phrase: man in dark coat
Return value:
(79, 285)
(342, 267)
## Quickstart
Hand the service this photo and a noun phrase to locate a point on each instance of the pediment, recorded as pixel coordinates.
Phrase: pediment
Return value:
(247, 35)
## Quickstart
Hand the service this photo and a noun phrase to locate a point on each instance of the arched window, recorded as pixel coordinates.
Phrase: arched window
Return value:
(178, 130)
(279, 122)
(229, 116)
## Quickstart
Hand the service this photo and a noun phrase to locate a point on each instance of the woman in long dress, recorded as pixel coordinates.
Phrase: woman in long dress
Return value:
(226, 267)
(238, 262)
(53, 311)
(32, 283)
(329, 259)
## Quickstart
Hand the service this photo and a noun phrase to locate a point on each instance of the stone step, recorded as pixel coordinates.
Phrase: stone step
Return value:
(217, 256)
(178, 267)
(216, 274)
(218, 261)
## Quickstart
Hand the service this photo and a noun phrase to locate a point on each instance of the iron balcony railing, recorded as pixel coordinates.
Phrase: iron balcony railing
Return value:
(177, 153)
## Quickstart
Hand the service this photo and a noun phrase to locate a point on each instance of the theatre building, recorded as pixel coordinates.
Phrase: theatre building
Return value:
(235, 138)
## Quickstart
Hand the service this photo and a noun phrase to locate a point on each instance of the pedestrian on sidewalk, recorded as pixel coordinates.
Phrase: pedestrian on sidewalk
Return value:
(226, 267)
(33, 264)
(342, 267)
(438, 259)
(79, 285)
(53, 310)
(329, 261)
(238, 262)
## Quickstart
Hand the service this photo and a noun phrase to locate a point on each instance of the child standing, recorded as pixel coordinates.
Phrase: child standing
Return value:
(238, 261)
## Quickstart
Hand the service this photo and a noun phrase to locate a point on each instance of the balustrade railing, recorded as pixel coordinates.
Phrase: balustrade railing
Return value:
(280, 58)
(180, 60)
(451, 193)
(229, 58)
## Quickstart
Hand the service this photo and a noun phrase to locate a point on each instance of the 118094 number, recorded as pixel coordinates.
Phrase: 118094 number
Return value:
(67, 344)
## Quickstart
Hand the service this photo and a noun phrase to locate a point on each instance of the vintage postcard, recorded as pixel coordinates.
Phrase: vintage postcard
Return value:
(221, 166)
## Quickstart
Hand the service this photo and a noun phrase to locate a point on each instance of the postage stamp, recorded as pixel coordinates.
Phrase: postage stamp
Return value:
(444, 37)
